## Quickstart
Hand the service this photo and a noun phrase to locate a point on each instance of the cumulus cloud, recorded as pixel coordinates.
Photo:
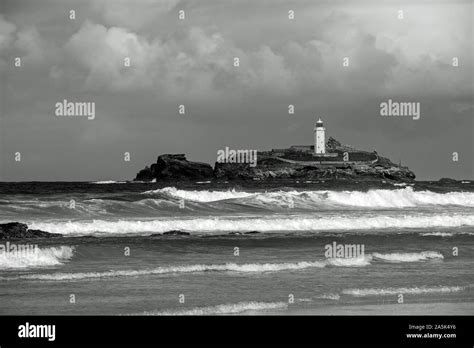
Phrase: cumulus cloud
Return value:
(199, 63)
(197, 60)
(99, 54)
(191, 61)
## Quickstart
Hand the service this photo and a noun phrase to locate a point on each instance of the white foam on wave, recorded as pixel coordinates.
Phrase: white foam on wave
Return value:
(400, 198)
(261, 224)
(242, 268)
(390, 257)
(350, 262)
(304, 300)
(396, 291)
(438, 234)
(232, 308)
(199, 196)
(228, 267)
(446, 234)
(409, 257)
(42, 257)
(333, 297)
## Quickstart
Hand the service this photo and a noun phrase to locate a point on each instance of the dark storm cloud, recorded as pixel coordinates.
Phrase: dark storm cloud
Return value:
(190, 62)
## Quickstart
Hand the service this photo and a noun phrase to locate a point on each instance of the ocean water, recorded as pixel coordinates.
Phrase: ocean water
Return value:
(251, 249)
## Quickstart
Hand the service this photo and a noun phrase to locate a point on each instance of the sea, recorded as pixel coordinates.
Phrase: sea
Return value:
(243, 248)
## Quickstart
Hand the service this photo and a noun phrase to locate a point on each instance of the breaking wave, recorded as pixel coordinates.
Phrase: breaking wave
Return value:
(334, 297)
(350, 262)
(396, 291)
(391, 257)
(446, 234)
(228, 267)
(233, 308)
(409, 257)
(399, 198)
(234, 267)
(438, 234)
(167, 202)
(45, 257)
(261, 224)
(199, 196)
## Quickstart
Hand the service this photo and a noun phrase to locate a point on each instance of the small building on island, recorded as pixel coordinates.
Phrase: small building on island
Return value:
(322, 152)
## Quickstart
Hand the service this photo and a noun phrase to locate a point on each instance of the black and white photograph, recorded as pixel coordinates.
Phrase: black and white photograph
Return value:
(237, 158)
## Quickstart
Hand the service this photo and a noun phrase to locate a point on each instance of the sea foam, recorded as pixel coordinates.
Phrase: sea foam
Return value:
(232, 308)
(399, 198)
(409, 257)
(42, 257)
(199, 196)
(261, 224)
(396, 291)
(234, 267)
(228, 267)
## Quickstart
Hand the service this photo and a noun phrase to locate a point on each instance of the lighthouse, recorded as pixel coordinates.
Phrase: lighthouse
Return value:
(319, 139)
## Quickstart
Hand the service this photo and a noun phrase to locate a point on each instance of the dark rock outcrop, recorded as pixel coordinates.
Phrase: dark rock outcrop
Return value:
(447, 181)
(175, 167)
(176, 233)
(274, 171)
(16, 230)
(170, 233)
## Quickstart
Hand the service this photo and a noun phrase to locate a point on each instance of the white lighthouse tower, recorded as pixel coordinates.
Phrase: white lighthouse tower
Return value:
(319, 139)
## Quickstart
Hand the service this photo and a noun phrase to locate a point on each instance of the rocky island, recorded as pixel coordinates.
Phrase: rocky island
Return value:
(323, 160)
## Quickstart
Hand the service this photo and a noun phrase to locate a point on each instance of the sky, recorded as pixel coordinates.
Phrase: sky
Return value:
(398, 50)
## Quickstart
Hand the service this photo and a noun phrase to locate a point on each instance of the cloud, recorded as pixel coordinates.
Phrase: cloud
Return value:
(191, 62)
(33, 48)
(119, 13)
(199, 63)
(98, 55)
(196, 60)
(6, 31)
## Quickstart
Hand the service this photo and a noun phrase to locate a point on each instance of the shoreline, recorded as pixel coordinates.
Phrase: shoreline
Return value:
(430, 308)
